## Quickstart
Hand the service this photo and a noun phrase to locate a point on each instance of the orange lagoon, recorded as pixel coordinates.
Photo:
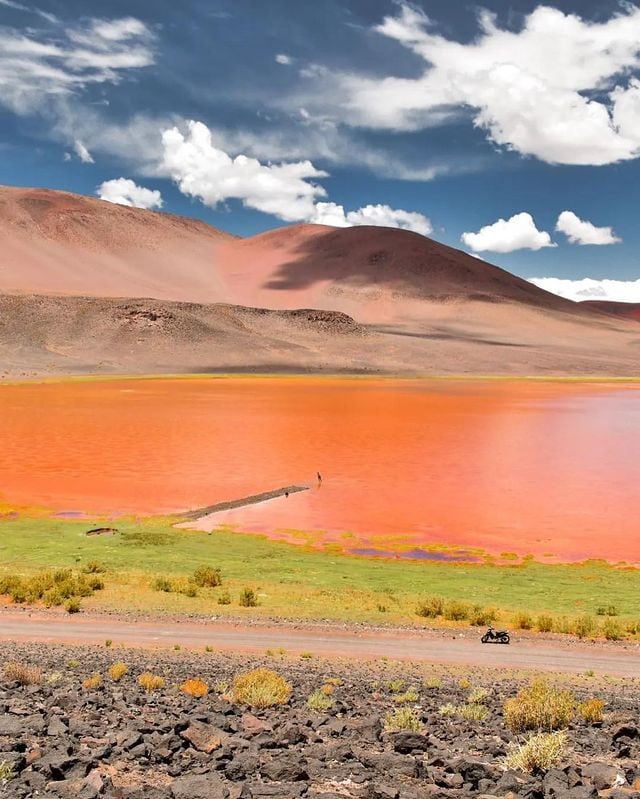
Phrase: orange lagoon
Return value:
(551, 469)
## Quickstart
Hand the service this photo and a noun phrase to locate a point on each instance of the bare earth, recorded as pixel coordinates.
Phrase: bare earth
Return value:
(88, 287)
(428, 646)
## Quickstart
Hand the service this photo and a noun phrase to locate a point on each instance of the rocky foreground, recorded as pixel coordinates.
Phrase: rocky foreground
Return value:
(70, 733)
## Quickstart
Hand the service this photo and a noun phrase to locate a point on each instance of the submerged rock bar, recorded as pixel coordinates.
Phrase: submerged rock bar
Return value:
(254, 499)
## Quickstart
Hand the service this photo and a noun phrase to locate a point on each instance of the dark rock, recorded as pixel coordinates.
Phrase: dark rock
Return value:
(406, 742)
(204, 737)
(289, 767)
(202, 786)
(603, 775)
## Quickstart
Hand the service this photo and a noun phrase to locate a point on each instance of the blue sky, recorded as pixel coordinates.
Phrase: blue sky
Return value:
(440, 117)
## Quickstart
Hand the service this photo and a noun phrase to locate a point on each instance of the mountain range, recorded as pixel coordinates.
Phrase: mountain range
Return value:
(87, 286)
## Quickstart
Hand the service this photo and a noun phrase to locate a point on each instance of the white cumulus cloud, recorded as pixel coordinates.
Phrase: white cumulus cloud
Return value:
(588, 288)
(124, 191)
(284, 59)
(579, 231)
(201, 168)
(557, 89)
(378, 215)
(506, 235)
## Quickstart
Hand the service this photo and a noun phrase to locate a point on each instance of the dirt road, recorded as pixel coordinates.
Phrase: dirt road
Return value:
(429, 646)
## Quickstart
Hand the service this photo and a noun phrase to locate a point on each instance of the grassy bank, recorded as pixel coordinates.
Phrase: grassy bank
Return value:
(294, 582)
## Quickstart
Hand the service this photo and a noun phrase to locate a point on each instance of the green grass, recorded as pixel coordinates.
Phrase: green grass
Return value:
(296, 582)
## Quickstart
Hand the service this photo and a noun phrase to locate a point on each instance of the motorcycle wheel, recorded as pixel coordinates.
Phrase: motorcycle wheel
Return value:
(505, 639)
(485, 638)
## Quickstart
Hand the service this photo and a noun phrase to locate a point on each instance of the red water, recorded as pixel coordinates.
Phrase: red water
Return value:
(551, 469)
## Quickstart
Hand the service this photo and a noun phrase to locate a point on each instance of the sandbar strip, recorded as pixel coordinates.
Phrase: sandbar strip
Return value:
(254, 499)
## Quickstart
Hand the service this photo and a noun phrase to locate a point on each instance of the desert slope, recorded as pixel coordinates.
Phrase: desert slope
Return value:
(59, 243)
(375, 274)
(625, 310)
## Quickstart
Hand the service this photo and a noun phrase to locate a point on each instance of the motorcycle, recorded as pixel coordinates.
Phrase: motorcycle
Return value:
(495, 637)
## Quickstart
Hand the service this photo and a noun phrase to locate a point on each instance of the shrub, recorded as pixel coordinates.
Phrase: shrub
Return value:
(327, 689)
(478, 696)
(473, 711)
(151, 682)
(562, 625)
(224, 598)
(456, 611)
(73, 605)
(22, 673)
(592, 710)
(612, 630)
(401, 719)
(608, 610)
(117, 671)
(207, 577)
(464, 683)
(544, 623)
(431, 607)
(50, 587)
(248, 598)
(433, 683)
(261, 688)
(395, 686)
(448, 710)
(95, 583)
(481, 617)
(94, 567)
(584, 626)
(410, 695)
(195, 687)
(93, 682)
(73, 663)
(6, 771)
(162, 584)
(221, 686)
(108, 643)
(539, 707)
(306, 655)
(319, 701)
(539, 753)
(522, 621)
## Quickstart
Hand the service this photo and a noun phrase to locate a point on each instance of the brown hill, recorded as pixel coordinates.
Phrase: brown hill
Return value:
(374, 274)
(626, 310)
(419, 307)
(59, 243)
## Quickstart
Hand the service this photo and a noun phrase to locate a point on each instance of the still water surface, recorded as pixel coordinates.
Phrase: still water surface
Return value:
(551, 469)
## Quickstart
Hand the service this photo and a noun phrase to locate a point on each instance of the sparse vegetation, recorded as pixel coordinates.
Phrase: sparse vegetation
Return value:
(52, 588)
(261, 688)
(248, 598)
(433, 683)
(318, 700)
(22, 673)
(94, 567)
(6, 771)
(117, 671)
(456, 611)
(539, 753)
(592, 710)
(544, 623)
(195, 687)
(539, 707)
(585, 626)
(224, 598)
(612, 630)
(473, 711)
(431, 607)
(522, 621)
(402, 719)
(207, 577)
(73, 605)
(93, 682)
(151, 682)
(410, 695)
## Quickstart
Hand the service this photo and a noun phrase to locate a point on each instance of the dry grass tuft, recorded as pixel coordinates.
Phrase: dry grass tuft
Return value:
(592, 711)
(261, 688)
(117, 671)
(539, 707)
(22, 673)
(319, 701)
(93, 682)
(539, 753)
(151, 682)
(195, 687)
(402, 719)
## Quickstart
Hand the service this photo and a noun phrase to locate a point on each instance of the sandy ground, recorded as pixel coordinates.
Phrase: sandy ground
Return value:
(52, 335)
(461, 648)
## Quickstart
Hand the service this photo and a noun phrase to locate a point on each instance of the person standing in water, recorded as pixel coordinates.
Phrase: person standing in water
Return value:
(319, 478)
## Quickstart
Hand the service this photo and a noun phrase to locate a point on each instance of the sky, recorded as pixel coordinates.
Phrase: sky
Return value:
(508, 129)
